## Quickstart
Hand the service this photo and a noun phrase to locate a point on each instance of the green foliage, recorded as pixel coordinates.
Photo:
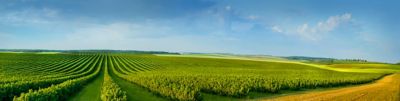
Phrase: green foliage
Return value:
(54, 77)
(11, 87)
(317, 60)
(110, 91)
(33, 77)
(60, 91)
(182, 78)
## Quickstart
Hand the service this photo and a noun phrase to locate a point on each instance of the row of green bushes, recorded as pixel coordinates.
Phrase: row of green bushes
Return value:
(110, 91)
(60, 91)
(9, 90)
(185, 78)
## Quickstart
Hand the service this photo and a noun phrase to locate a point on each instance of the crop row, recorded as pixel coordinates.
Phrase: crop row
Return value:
(63, 90)
(25, 70)
(110, 91)
(176, 78)
(185, 78)
(11, 89)
(123, 64)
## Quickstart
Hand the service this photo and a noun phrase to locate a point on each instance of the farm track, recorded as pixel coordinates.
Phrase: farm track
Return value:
(91, 91)
(135, 92)
(385, 89)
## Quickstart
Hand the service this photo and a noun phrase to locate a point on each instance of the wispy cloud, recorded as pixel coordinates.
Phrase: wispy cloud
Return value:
(203, 25)
(252, 17)
(124, 35)
(227, 20)
(114, 33)
(29, 16)
(277, 29)
(316, 32)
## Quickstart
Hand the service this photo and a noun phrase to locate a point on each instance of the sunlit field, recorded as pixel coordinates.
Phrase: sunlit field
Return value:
(32, 76)
(199, 50)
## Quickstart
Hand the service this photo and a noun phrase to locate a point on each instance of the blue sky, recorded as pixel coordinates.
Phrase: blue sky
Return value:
(366, 29)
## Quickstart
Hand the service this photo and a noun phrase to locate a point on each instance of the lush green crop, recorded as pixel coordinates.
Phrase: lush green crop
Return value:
(19, 67)
(58, 76)
(111, 91)
(183, 78)
(11, 89)
(63, 90)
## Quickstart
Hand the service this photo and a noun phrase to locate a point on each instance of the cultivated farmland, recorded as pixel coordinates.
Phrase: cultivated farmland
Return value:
(123, 76)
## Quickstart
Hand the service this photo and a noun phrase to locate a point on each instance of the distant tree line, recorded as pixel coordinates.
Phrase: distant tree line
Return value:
(355, 60)
(325, 60)
(90, 51)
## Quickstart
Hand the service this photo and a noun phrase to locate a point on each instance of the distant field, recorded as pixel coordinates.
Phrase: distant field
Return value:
(366, 66)
(341, 67)
(48, 52)
(227, 56)
(107, 76)
(9, 52)
(371, 68)
(31, 52)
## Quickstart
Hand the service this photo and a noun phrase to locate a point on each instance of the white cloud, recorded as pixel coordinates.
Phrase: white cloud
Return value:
(134, 36)
(308, 33)
(29, 16)
(332, 23)
(116, 33)
(315, 33)
(252, 17)
(305, 31)
(277, 29)
(101, 33)
(77, 33)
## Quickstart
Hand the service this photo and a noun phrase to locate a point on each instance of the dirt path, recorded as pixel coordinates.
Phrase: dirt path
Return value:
(133, 92)
(386, 89)
(91, 91)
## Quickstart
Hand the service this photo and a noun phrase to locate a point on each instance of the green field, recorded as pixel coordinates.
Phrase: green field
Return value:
(145, 77)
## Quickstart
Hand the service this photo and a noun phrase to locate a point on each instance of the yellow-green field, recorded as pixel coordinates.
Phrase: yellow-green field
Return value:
(121, 76)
